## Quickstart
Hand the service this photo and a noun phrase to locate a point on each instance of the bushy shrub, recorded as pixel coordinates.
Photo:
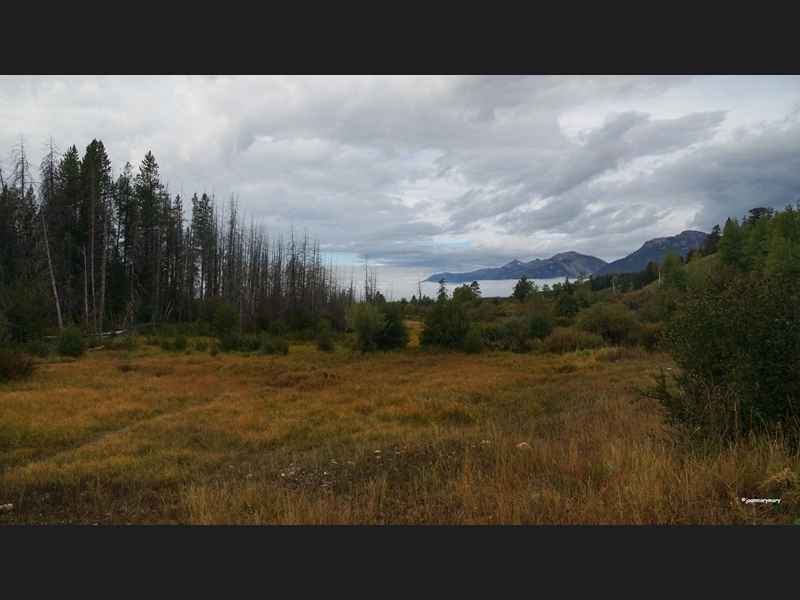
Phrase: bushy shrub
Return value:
(274, 345)
(395, 333)
(225, 318)
(240, 342)
(446, 325)
(325, 341)
(130, 342)
(613, 321)
(571, 339)
(736, 341)
(180, 343)
(368, 323)
(72, 342)
(378, 327)
(15, 366)
(649, 335)
(541, 325)
(473, 342)
(200, 345)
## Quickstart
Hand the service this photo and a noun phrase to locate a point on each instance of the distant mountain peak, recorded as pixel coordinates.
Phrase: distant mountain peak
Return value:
(656, 250)
(566, 264)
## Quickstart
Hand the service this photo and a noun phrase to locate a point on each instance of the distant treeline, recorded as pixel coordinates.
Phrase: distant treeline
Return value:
(79, 245)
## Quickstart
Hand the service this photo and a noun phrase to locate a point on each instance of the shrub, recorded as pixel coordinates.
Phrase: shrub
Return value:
(614, 322)
(395, 333)
(225, 318)
(72, 342)
(129, 342)
(473, 342)
(736, 340)
(180, 343)
(274, 345)
(241, 342)
(541, 325)
(446, 325)
(368, 322)
(570, 340)
(15, 366)
(649, 335)
(325, 341)
(200, 345)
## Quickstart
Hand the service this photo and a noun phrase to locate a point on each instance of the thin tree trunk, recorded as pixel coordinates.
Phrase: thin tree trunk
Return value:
(52, 277)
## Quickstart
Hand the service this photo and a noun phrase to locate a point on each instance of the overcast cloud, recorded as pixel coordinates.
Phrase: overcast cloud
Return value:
(427, 174)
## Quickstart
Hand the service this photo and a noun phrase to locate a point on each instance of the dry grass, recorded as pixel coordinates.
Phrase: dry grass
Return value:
(404, 437)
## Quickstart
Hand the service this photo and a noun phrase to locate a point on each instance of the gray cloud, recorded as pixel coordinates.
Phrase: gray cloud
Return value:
(403, 168)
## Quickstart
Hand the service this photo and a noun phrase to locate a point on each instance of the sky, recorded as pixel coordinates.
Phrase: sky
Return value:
(427, 174)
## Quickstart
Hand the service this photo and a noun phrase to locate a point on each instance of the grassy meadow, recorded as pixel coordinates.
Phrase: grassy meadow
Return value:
(146, 436)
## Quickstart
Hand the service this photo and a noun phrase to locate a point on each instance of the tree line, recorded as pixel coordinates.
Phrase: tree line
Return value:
(80, 245)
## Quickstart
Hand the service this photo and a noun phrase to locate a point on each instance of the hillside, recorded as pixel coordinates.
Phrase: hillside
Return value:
(655, 250)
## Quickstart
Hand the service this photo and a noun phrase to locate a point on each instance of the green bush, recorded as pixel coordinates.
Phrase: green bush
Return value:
(649, 335)
(15, 366)
(180, 343)
(541, 325)
(736, 341)
(325, 340)
(130, 342)
(368, 323)
(240, 342)
(72, 342)
(225, 318)
(378, 327)
(274, 345)
(446, 325)
(473, 342)
(395, 333)
(570, 340)
(613, 321)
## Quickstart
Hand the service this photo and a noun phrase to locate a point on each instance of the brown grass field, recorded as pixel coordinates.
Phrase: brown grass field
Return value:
(406, 437)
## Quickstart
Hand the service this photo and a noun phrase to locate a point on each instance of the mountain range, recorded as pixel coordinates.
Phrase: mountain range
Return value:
(572, 264)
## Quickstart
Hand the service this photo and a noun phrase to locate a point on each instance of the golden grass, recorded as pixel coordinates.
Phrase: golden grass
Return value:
(402, 437)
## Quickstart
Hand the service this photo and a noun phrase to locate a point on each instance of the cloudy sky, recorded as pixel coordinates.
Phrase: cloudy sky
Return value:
(427, 174)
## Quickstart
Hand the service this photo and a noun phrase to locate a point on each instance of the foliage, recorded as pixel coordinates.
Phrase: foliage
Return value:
(225, 319)
(465, 293)
(240, 342)
(446, 325)
(566, 304)
(325, 341)
(474, 341)
(15, 366)
(394, 333)
(736, 340)
(541, 325)
(72, 341)
(378, 327)
(368, 322)
(613, 321)
(649, 335)
(274, 345)
(523, 289)
(570, 339)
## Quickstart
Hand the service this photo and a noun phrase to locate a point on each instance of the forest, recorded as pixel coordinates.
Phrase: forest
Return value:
(82, 247)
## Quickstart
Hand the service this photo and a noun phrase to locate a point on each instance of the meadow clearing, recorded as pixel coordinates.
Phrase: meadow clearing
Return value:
(145, 436)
